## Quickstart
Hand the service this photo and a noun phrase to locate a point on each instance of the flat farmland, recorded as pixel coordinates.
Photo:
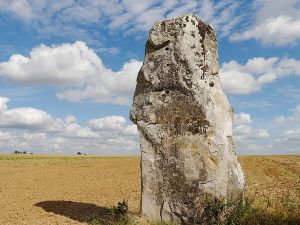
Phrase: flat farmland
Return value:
(62, 190)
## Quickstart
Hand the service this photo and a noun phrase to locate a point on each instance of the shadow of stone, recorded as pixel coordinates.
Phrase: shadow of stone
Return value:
(82, 212)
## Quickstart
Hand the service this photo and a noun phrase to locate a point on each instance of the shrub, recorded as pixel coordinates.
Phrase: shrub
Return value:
(118, 216)
(120, 210)
(215, 212)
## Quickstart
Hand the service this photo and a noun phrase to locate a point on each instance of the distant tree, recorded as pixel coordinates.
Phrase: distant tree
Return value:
(16, 152)
(78, 153)
(24, 152)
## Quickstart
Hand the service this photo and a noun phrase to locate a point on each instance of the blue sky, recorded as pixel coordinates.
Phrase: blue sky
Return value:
(68, 70)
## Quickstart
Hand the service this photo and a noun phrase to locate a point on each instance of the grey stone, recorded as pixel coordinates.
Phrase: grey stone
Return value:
(184, 122)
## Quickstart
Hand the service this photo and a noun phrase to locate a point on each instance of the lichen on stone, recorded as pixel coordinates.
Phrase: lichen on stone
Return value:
(185, 124)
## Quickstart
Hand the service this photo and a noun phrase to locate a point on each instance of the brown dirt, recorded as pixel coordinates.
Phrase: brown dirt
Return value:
(36, 190)
(31, 187)
(273, 184)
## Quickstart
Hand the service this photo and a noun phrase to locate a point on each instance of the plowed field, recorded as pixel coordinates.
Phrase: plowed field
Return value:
(41, 190)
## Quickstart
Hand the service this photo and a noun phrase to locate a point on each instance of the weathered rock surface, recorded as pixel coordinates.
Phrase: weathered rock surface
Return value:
(185, 124)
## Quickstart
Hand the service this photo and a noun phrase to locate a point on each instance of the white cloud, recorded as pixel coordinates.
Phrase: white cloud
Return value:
(113, 134)
(36, 120)
(26, 118)
(117, 124)
(286, 132)
(69, 64)
(244, 130)
(76, 71)
(280, 31)
(252, 76)
(107, 86)
(67, 17)
(237, 82)
(289, 141)
(141, 16)
(252, 137)
(242, 118)
(292, 134)
(275, 23)
(35, 130)
(110, 123)
(21, 8)
(244, 133)
(74, 130)
(78, 74)
(108, 51)
(294, 119)
(34, 137)
(5, 136)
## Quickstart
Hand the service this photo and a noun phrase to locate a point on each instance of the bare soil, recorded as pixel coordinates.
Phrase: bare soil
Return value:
(42, 190)
(60, 190)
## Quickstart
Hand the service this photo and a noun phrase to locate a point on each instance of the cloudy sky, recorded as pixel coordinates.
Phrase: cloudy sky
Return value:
(68, 70)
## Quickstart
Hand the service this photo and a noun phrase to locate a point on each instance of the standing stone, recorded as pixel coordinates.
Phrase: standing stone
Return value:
(185, 124)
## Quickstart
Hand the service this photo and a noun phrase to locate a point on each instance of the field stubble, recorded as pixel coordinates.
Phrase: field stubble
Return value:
(60, 190)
